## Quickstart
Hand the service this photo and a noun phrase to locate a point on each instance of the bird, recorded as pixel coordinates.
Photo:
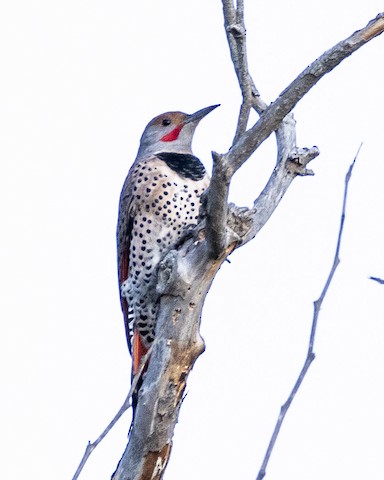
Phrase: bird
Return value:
(159, 202)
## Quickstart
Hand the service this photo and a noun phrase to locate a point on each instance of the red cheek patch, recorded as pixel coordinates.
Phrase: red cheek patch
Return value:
(173, 135)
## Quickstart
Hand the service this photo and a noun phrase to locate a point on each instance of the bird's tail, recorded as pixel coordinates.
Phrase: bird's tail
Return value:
(138, 352)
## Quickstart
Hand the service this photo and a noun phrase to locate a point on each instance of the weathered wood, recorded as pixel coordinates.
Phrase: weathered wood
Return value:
(185, 276)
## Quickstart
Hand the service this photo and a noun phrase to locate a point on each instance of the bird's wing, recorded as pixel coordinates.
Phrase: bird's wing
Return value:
(123, 235)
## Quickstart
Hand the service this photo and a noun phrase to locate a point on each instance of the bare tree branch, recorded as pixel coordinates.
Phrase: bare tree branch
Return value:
(126, 405)
(377, 279)
(287, 100)
(317, 306)
(236, 35)
(227, 164)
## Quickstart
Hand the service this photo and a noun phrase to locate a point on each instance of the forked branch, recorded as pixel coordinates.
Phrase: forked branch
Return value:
(226, 165)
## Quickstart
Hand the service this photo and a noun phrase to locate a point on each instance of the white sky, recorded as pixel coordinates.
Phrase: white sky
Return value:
(79, 81)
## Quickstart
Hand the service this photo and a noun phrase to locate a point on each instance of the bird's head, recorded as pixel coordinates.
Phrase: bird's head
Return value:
(171, 132)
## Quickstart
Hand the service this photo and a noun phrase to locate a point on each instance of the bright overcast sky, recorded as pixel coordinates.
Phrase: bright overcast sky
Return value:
(79, 82)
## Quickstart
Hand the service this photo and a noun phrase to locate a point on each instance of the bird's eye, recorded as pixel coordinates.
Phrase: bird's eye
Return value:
(166, 122)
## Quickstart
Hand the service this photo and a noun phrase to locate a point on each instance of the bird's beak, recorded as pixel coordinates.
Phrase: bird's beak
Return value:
(197, 116)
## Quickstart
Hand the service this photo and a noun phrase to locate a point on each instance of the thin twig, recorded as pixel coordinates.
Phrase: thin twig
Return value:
(126, 405)
(377, 279)
(310, 354)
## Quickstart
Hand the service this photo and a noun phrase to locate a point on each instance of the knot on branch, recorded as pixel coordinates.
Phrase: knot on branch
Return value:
(240, 220)
(169, 280)
(298, 160)
(237, 30)
(166, 272)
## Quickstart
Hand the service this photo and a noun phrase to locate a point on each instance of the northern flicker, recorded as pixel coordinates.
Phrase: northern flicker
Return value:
(159, 202)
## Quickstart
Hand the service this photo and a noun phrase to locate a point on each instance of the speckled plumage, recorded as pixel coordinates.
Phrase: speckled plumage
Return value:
(159, 202)
(162, 205)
